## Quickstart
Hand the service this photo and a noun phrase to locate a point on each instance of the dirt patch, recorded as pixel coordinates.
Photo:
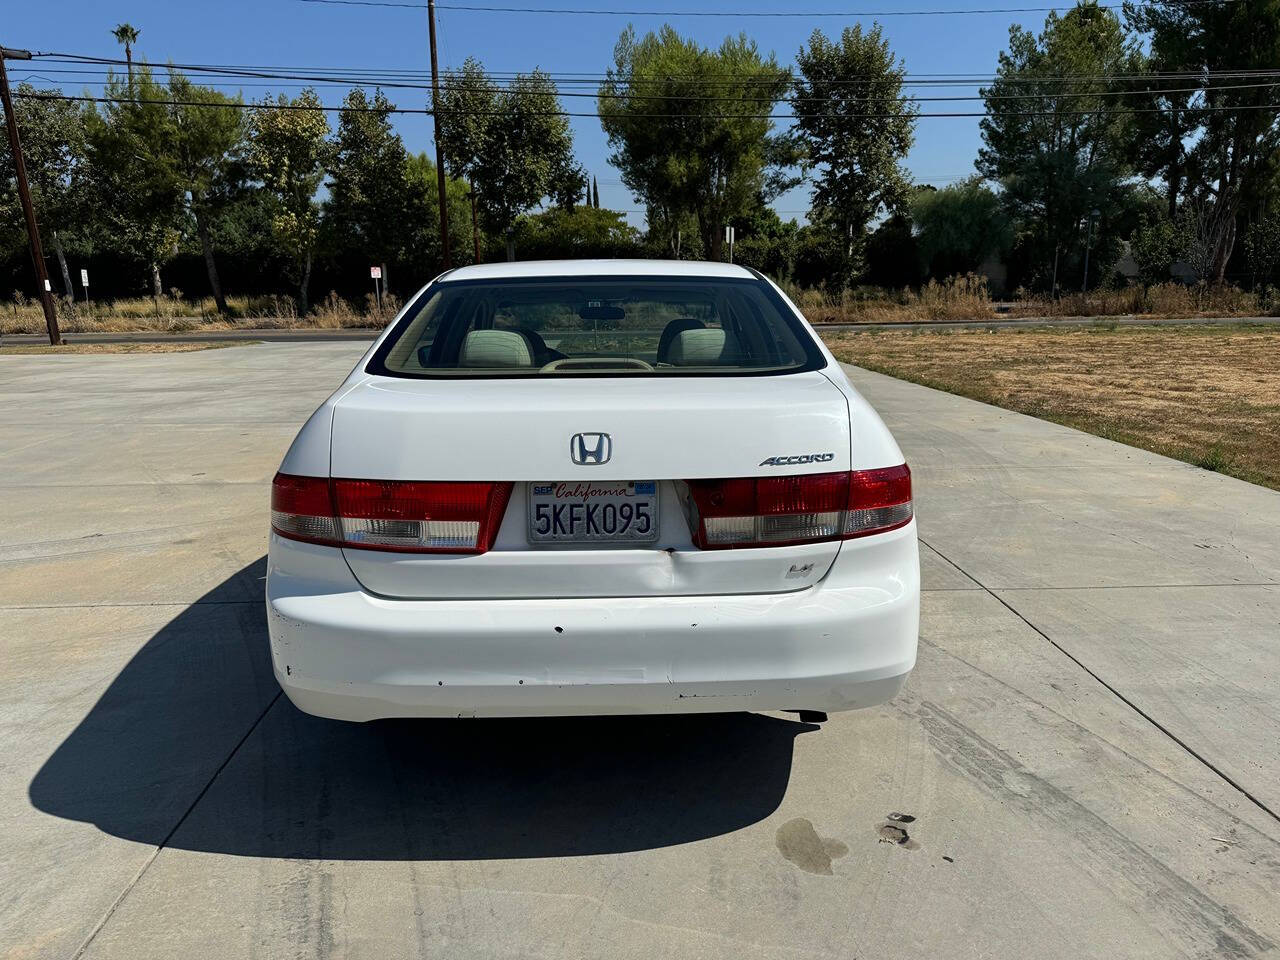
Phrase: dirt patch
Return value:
(68, 349)
(1206, 395)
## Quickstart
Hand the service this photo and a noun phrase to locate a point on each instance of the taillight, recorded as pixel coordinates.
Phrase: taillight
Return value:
(301, 509)
(779, 511)
(398, 515)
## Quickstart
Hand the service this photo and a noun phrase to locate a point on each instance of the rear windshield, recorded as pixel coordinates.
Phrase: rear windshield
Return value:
(620, 326)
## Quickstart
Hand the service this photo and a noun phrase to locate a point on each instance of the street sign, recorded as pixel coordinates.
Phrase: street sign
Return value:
(375, 273)
(84, 277)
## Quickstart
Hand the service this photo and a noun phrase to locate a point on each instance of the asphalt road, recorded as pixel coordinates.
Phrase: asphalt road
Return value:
(323, 335)
(1087, 746)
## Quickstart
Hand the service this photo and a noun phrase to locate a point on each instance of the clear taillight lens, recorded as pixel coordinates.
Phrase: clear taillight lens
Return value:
(397, 515)
(778, 511)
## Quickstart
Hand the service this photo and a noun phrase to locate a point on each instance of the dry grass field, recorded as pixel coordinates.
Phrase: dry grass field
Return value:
(1206, 395)
(959, 298)
(176, 315)
(964, 298)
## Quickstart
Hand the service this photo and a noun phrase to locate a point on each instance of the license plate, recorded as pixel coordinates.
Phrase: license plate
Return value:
(604, 512)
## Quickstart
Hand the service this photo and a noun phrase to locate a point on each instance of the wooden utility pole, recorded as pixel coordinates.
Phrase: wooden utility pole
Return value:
(435, 116)
(475, 226)
(24, 193)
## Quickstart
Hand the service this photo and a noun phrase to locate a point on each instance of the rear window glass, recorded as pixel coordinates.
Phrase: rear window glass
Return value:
(574, 326)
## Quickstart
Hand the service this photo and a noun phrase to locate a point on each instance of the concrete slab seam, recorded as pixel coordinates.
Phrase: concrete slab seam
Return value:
(1191, 751)
(106, 917)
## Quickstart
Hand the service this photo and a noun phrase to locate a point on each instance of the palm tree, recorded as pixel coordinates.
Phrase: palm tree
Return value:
(128, 35)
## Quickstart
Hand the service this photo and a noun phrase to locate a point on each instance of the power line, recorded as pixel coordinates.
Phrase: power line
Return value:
(737, 14)
(456, 83)
(691, 97)
(269, 105)
(324, 74)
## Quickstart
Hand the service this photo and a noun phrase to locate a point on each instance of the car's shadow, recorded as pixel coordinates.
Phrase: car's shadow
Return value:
(193, 745)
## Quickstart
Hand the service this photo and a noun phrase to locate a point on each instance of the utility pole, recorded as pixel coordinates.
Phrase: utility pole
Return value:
(435, 116)
(475, 226)
(1088, 240)
(24, 193)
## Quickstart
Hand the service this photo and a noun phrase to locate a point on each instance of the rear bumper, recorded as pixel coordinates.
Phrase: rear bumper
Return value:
(340, 652)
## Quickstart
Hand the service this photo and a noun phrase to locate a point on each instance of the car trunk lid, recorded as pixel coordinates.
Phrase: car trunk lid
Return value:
(519, 430)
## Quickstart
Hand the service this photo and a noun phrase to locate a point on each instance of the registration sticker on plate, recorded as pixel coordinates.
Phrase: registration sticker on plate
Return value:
(617, 511)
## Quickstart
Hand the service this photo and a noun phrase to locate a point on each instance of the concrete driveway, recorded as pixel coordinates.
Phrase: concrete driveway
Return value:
(1088, 746)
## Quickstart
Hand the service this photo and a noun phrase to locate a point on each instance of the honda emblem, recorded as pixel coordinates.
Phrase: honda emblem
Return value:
(590, 449)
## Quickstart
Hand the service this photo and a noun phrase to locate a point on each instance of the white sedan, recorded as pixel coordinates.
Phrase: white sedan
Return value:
(593, 487)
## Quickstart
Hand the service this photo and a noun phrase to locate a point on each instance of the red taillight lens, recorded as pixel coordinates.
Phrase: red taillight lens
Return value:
(778, 511)
(879, 500)
(426, 517)
(301, 509)
(406, 516)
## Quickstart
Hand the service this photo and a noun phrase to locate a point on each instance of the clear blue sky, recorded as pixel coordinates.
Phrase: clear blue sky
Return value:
(292, 33)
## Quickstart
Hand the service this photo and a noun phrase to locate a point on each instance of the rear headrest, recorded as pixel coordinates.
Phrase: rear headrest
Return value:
(669, 333)
(495, 348)
(703, 348)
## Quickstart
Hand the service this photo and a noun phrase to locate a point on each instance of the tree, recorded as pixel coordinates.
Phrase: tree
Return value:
(1059, 150)
(513, 143)
(288, 150)
(467, 105)
(1262, 247)
(527, 142)
(568, 180)
(958, 227)
(582, 232)
(893, 255)
(423, 200)
(55, 146)
(367, 209)
(127, 35)
(210, 133)
(1162, 123)
(1157, 244)
(765, 241)
(854, 125)
(821, 255)
(595, 193)
(1235, 128)
(137, 182)
(673, 234)
(690, 127)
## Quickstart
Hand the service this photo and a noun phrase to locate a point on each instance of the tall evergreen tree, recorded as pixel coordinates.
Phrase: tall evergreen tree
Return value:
(1234, 127)
(1060, 150)
(135, 169)
(595, 193)
(854, 126)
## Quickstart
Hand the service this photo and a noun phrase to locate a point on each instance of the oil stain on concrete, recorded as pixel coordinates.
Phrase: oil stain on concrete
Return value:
(800, 843)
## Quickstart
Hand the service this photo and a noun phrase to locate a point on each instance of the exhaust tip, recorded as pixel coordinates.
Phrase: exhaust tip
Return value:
(811, 716)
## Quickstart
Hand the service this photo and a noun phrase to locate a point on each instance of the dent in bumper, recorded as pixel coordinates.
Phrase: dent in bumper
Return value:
(339, 652)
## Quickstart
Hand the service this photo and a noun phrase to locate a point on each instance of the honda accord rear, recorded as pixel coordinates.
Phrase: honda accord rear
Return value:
(594, 487)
